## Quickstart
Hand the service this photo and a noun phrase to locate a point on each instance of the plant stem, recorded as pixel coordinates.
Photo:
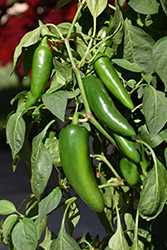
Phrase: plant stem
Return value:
(104, 159)
(101, 129)
(90, 43)
(75, 18)
(47, 234)
(138, 106)
(136, 87)
(152, 152)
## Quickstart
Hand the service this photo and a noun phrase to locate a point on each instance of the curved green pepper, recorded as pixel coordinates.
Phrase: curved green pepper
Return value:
(75, 159)
(104, 108)
(129, 171)
(127, 146)
(41, 68)
(109, 77)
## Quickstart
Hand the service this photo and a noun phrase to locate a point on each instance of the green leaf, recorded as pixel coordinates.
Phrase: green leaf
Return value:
(61, 3)
(49, 237)
(153, 194)
(118, 240)
(72, 217)
(129, 222)
(25, 154)
(7, 226)
(27, 40)
(63, 72)
(63, 29)
(41, 162)
(15, 132)
(116, 27)
(21, 95)
(56, 103)
(134, 67)
(146, 7)
(24, 235)
(145, 136)
(64, 241)
(159, 56)
(96, 7)
(41, 226)
(72, 94)
(165, 155)
(55, 85)
(49, 203)
(154, 108)
(28, 57)
(138, 47)
(164, 5)
(163, 135)
(7, 207)
(82, 48)
(52, 145)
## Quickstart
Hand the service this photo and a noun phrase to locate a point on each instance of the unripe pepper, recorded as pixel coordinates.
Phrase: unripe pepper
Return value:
(129, 171)
(109, 77)
(41, 68)
(127, 147)
(103, 107)
(75, 159)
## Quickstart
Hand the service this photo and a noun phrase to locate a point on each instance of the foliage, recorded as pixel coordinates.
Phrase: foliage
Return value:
(133, 214)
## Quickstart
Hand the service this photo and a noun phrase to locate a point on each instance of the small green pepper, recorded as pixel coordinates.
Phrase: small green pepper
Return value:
(75, 159)
(129, 171)
(127, 146)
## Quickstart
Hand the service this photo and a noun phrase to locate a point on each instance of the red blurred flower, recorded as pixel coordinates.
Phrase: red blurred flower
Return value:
(32, 3)
(2, 3)
(54, 17)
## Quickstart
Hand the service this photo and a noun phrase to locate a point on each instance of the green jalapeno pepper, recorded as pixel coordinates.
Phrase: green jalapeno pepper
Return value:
(103, 107)
(41, 68)
(109, 77)
(127, 147)
(129, 171)
(75, 159)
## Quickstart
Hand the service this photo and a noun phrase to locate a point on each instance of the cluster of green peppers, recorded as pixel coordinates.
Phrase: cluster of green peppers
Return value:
(73, 139)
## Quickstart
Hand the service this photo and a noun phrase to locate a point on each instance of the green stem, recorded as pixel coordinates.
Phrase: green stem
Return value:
(90, 44)
(47, 234)
(153, 155)
(101, 42)
(104, 159)
(152, 152)
(78, 76)
(112, 7)
(136, 87)
(75, 18)
(101, 129)
(21, 215)
(112, 184)
(24, 201)
(138, 106)
(71, 200)
(52, 35)
(136, 226)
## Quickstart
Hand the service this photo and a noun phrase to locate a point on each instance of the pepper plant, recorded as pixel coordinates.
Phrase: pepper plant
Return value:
(96, 111)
